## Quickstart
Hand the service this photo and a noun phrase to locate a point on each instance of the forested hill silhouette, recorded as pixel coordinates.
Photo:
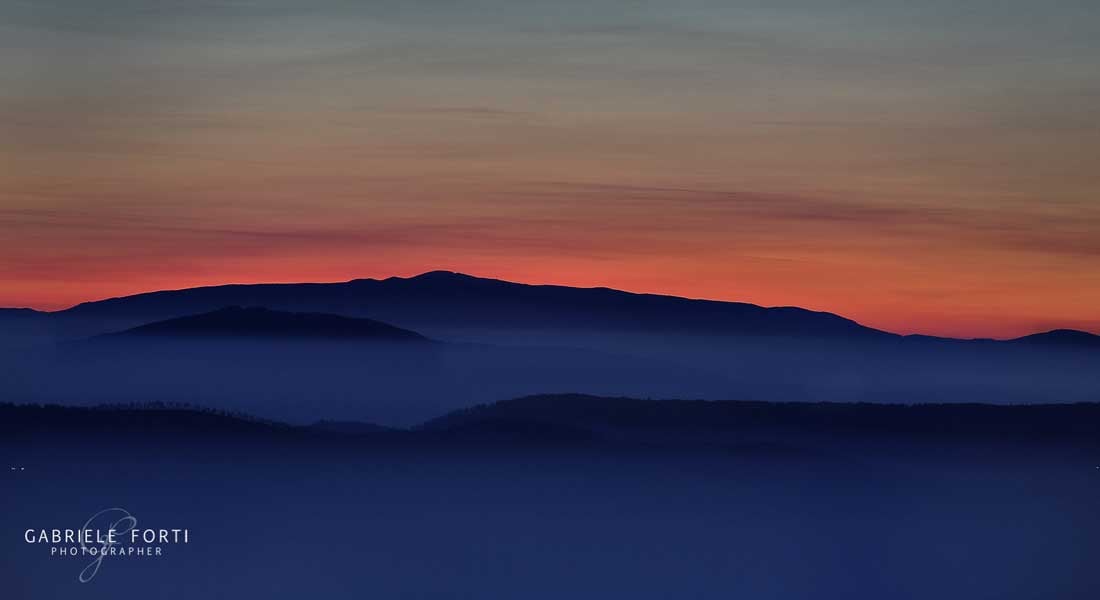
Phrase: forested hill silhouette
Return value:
(583, 419)
(238, 322)
(1063, 423)
(442, 299)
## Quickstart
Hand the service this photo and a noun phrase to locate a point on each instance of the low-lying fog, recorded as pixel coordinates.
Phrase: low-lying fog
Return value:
(400, 384)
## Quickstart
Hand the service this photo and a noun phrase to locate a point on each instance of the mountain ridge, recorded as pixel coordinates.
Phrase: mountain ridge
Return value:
(449, 299)
(20, 312)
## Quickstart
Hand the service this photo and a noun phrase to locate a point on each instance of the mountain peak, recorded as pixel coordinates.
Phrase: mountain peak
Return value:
(441, 275)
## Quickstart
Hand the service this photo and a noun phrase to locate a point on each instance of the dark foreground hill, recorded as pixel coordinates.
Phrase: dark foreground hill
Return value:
(639, 419)
(446, 514)
(580, 419)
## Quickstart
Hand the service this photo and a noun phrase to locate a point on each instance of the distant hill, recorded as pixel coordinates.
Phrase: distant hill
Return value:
(1061, 337)
(23, 325)
(20, 313)
(238, 322)
(441, 299)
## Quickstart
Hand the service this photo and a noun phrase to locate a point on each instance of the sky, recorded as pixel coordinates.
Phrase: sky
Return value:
(926, 167)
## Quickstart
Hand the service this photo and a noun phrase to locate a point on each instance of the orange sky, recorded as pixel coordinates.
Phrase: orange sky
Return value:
(916, 178)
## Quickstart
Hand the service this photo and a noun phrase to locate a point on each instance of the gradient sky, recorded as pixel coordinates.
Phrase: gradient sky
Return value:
(919, 166)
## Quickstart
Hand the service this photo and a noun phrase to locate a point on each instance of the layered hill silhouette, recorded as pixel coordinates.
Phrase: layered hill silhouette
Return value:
(442, 299)
(289, 357)
(261, 323)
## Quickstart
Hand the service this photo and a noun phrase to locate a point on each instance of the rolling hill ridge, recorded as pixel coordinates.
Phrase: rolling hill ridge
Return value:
(257, 322)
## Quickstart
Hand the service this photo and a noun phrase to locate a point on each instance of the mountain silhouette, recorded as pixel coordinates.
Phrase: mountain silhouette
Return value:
(20, 313)
(1061, 337)
(238, 322)
(447, 300)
